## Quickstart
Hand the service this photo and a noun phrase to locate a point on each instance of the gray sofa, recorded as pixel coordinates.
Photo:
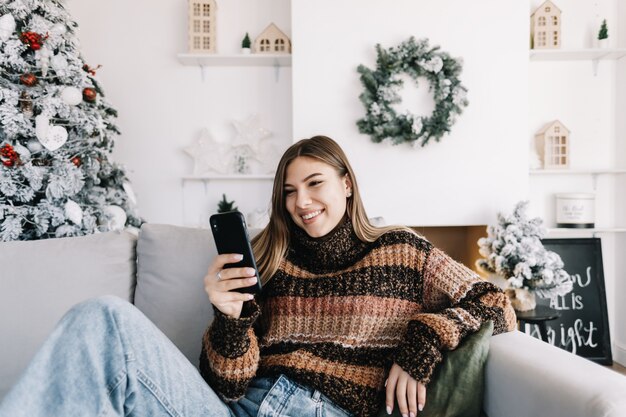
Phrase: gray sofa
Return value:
(162, 272)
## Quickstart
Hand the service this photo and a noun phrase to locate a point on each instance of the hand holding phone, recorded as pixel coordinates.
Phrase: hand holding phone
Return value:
(231, 237)
(224, 292)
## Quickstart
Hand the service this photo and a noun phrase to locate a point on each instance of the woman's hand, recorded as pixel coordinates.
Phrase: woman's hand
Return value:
(411, 394)
(219, 288)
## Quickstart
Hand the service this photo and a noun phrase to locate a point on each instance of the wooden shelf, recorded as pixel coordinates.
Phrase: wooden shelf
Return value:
(235, 60)
(577, 171)
(240, 177)
(577, 54)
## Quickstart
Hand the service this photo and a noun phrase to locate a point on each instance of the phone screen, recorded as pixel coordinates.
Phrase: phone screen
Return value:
(231, 236)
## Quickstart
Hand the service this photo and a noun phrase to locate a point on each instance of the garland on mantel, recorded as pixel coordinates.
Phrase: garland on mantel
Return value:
(417, 59)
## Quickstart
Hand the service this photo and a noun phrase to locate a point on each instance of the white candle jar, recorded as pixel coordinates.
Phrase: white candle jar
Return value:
(575, 210)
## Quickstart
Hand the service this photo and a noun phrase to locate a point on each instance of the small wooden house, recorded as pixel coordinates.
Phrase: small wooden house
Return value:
(202, 16)
(272, 41)
(553, 145)
(545, 27)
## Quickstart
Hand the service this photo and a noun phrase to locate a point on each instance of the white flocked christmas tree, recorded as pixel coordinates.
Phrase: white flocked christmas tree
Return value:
(513, 250)
(56, 132)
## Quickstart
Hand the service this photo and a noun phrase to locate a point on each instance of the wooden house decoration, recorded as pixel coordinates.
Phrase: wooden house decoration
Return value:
(202, 14)
(272, 41)
(553, 145)
(545, 27)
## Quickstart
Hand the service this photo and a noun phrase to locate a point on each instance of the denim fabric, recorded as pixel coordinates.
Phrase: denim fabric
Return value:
(105, 358)
(281, 397)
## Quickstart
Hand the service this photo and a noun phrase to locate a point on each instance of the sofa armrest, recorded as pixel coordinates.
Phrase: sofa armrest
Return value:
(525, 377)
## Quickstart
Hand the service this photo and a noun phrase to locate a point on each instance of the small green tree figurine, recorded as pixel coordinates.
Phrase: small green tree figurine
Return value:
(245, 44)
(224, 205)
(604, 31)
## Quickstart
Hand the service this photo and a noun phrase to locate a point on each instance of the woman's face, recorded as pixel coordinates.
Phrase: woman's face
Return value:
(315, 195)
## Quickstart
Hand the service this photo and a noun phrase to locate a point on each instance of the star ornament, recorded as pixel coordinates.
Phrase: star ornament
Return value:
(249, 132)
(208, 155)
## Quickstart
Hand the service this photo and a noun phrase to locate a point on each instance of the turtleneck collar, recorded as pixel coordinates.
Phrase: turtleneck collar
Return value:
(338, 249)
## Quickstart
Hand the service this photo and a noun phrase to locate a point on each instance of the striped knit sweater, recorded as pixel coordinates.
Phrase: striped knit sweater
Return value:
(339, 312)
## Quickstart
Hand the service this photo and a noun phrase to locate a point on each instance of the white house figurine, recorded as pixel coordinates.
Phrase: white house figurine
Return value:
(272, 41)
(553, 144)
(545, 27)
(202, 15)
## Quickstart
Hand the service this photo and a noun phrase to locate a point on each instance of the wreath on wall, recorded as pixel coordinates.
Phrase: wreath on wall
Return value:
(417, 59)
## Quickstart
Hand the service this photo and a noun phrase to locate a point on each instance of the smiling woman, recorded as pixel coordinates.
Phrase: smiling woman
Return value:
(358, 313)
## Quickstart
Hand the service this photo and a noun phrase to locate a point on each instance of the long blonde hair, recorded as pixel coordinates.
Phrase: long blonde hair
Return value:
(271, 244)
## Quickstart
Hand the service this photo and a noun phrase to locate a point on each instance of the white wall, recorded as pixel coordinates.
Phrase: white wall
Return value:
(619, 335)
(480, 167)
(589, 105)
(163, 105)
(143, 79)
(585, 103)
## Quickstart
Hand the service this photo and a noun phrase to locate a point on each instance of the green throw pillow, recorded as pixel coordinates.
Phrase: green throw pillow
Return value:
(456, 389)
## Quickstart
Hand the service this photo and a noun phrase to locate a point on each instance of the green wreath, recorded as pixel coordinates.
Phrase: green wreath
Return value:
(417, 59)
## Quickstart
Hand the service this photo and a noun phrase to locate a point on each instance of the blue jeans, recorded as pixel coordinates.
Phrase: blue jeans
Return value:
(105, 358)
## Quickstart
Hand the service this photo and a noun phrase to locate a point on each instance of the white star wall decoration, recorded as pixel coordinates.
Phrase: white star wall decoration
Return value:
(208, 155)
(250, 133)
(251, 141)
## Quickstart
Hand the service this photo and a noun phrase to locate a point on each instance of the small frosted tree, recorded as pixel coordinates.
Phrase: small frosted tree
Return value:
(513, 249)
(56, 132)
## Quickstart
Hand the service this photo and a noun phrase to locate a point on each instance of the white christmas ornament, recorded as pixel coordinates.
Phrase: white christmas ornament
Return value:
(52, 137)
(22, 151)
(58, 62)
(73, 212)
(43, 56)
(7, 26)
(115, 217)
(129, 192)
(34, 145)
(42, 125)
(58, 29)
(71, 96)
(57, 136)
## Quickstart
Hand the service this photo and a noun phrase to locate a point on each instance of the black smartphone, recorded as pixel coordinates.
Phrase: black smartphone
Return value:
(231, 236)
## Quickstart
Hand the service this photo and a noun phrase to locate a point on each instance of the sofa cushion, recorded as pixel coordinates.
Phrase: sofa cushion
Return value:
(172, 262)
(457, 385)
(42, 279)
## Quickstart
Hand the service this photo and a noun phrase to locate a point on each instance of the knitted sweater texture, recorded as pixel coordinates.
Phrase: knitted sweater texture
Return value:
(339, 312)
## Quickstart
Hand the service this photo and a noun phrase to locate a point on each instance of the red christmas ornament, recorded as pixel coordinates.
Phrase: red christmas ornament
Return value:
(91, 70)
(8, 156)
(33, 39)
(89, 94)
(76, 161)
(28, 79)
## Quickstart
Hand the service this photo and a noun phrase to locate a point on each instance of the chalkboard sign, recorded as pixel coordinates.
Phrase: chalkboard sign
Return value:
(583, 327)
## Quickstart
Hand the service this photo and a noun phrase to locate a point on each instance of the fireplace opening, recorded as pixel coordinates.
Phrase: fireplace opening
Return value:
(460, 242)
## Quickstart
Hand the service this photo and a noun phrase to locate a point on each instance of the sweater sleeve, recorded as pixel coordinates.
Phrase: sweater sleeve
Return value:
(230, 353)
(455, 302)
